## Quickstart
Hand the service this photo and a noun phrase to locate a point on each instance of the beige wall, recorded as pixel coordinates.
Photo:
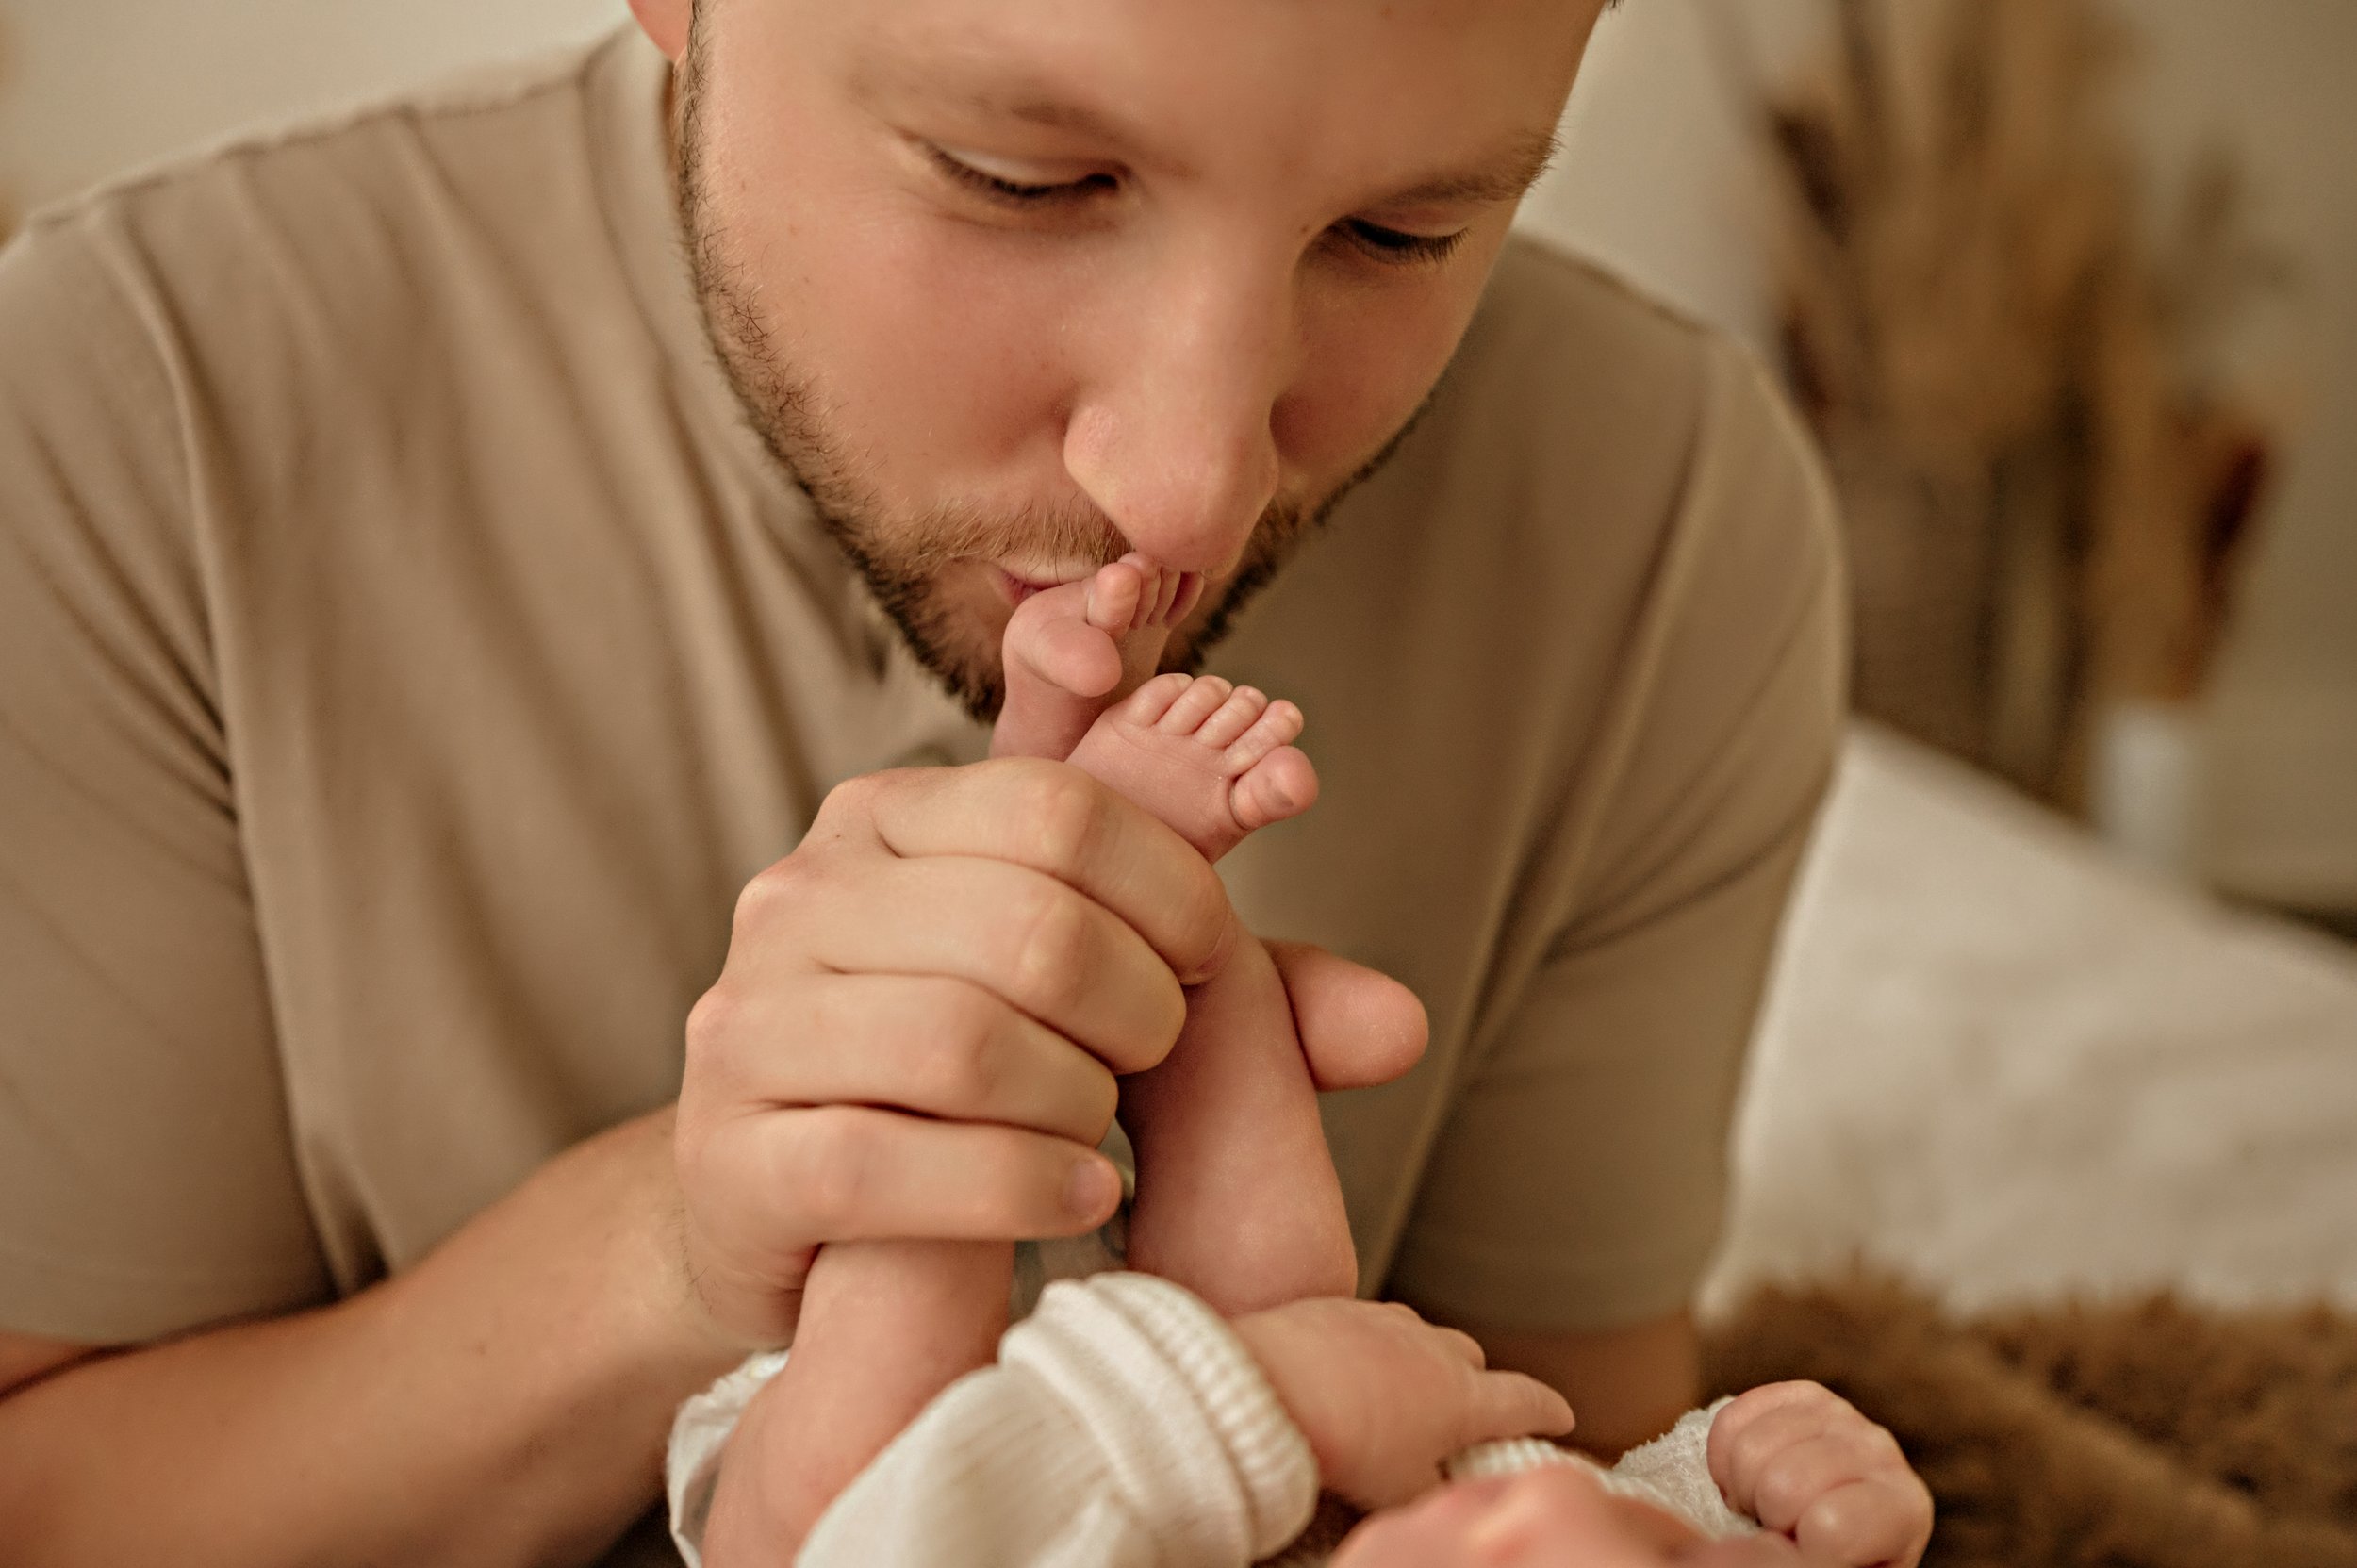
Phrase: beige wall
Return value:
(97, 85)
(1658, 179)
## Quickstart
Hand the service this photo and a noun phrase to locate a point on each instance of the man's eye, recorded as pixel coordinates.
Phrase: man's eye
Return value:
(998, 188)
(1397, 248)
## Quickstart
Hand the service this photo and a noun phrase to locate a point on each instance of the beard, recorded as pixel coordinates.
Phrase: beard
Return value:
(906, 558)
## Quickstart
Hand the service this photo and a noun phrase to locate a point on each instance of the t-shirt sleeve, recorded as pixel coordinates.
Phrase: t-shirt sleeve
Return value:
(147, 1182)
(1579, 1179)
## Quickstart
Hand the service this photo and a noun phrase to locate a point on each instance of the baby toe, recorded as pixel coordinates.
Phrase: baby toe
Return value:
(1145, 706)
(1115, 595)
(1232, 718)
(1281, 785)
(1280, 725)
(1197, 703)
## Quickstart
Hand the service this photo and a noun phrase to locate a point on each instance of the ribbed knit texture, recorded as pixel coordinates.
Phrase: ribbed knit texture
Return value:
(1673, 1472)
(1195, 1437)
(1272, 1459)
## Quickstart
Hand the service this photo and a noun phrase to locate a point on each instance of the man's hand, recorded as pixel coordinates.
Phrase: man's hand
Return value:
(1384, 1397)
(916, 1030)
(1802, 1461)
(1552, 1517)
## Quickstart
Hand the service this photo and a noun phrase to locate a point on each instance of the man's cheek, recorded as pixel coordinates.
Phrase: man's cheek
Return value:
(1365, 371)
(956, 342)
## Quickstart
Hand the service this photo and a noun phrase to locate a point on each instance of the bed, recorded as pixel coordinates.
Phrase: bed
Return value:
(2005, 1067)
(2051, 1168)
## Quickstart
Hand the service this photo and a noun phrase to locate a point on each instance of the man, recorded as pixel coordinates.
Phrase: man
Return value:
(413, 644)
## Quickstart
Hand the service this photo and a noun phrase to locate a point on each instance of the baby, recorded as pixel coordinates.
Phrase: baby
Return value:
(1125, 1424)
(1236, 1196)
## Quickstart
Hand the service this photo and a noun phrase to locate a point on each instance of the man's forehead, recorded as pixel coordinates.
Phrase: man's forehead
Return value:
(1101, 83)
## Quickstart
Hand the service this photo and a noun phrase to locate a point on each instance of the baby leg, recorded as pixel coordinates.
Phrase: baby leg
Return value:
(1224, 1212)
(1236, 1197)
(886, 1326)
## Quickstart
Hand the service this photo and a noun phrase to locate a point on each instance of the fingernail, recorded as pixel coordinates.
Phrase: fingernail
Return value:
(1093, 1190)
(1216, 959)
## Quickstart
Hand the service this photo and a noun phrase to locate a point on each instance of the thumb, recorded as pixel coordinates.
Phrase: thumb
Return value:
(1358, 1026)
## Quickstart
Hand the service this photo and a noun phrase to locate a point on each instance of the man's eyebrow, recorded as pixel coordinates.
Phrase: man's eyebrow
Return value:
(971, 84)
(1502, 177)
(1057, 114)
(982, 87)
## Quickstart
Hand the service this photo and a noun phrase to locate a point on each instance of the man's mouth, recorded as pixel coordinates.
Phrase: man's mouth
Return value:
(1018, 584)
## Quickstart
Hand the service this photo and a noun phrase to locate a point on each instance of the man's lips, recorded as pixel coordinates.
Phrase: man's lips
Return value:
(1018, 587)
(1015, 587)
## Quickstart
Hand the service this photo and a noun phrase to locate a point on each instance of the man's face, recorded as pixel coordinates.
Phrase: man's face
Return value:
(1015, 287)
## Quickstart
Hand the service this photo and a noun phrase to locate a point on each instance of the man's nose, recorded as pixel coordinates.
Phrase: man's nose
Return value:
(1172, 436)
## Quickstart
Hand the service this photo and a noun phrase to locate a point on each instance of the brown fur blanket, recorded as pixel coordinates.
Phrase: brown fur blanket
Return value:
(2143, 1434)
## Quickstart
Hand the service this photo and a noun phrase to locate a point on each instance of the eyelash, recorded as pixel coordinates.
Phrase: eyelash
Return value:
(1390, 247)
(1009, 190)
(1405, 250)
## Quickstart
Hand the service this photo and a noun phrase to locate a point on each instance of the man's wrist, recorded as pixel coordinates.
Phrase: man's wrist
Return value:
(658, 1317)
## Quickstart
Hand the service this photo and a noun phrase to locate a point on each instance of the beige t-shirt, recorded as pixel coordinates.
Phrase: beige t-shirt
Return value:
(407, 653)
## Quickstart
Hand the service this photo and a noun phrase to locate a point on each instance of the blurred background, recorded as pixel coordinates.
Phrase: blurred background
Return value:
(2070, 295)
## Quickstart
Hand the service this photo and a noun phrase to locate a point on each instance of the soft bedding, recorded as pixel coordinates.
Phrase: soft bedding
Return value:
(2007, 1067)
(2098, 1137)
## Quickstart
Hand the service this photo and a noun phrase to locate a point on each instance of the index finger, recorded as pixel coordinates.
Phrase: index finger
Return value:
(1500, 1405)
(1054, 818)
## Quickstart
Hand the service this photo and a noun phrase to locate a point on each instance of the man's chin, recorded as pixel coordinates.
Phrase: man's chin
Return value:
(954, 633)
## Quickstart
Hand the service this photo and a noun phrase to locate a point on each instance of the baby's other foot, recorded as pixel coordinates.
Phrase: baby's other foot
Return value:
(1073, 650)
(1213, 761)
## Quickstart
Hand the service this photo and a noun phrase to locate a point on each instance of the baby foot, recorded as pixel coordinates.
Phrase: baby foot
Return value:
(1212, 760)
(1072, 650)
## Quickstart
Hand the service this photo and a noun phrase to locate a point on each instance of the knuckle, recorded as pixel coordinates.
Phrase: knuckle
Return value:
(1065, 813)
(828, 1163)
(1836, 1517)
(764, 901)
(968, 1061)
(1751, 1453)
(1051, 941)
(710, 1025)
(1783, 1492)
(853, 800)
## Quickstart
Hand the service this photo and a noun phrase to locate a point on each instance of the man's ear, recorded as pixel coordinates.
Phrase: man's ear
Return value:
(666, 22)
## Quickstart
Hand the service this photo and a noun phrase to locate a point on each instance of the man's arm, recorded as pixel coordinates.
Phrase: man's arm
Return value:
(26, 1357)
(1626, 1386)
(505, 1402)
